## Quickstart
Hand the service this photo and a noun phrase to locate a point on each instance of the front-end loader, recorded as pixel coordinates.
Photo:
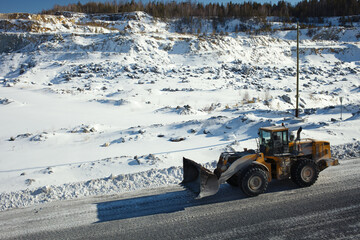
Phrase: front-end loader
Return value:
(279, 156)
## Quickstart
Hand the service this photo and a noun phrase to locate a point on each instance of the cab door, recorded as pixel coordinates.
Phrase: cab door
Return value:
(281, 142)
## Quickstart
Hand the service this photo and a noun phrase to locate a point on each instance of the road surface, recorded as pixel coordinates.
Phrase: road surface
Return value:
(330, 209)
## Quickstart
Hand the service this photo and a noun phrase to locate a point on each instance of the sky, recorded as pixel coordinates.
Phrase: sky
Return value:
(36, 6)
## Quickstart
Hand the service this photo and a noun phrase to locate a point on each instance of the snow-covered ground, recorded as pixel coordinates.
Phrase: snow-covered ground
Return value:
(92, 105)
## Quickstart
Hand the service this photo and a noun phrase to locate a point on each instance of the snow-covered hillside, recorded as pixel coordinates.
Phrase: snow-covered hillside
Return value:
(104, 104)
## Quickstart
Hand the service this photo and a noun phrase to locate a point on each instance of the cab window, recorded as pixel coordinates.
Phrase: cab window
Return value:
(265, 137)
(280, 137)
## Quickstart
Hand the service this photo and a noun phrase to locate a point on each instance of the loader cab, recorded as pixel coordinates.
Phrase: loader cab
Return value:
(274, 140)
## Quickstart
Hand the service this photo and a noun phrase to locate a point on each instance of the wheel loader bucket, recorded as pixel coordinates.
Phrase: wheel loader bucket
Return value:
(199, 179)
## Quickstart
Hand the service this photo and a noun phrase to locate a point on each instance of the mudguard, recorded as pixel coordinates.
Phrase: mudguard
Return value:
(239, 164)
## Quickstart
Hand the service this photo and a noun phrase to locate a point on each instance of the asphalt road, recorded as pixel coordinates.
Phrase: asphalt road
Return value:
(330, 209)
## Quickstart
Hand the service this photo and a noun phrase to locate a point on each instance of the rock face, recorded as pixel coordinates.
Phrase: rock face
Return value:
(12, 42)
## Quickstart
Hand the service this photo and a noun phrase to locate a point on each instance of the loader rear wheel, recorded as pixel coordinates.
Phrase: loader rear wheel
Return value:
(304, 173)
(254, 181)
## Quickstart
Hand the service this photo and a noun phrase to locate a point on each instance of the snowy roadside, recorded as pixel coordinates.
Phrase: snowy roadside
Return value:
(97, 187)
(345, 151)
(122, 183)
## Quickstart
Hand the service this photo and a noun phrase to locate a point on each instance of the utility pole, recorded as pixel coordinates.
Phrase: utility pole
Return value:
(297, 72)
(341, 101)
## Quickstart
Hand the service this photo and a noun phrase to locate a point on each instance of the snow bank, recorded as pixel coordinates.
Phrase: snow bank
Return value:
(97, 187)
(349, 150)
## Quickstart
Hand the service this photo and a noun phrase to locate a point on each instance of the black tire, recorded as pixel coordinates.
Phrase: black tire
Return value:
(304, 173)
(254, 181)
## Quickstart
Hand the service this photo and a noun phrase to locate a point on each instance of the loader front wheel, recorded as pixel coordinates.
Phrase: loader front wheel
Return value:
(304, 173)
(254, 181)
(234, 180)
